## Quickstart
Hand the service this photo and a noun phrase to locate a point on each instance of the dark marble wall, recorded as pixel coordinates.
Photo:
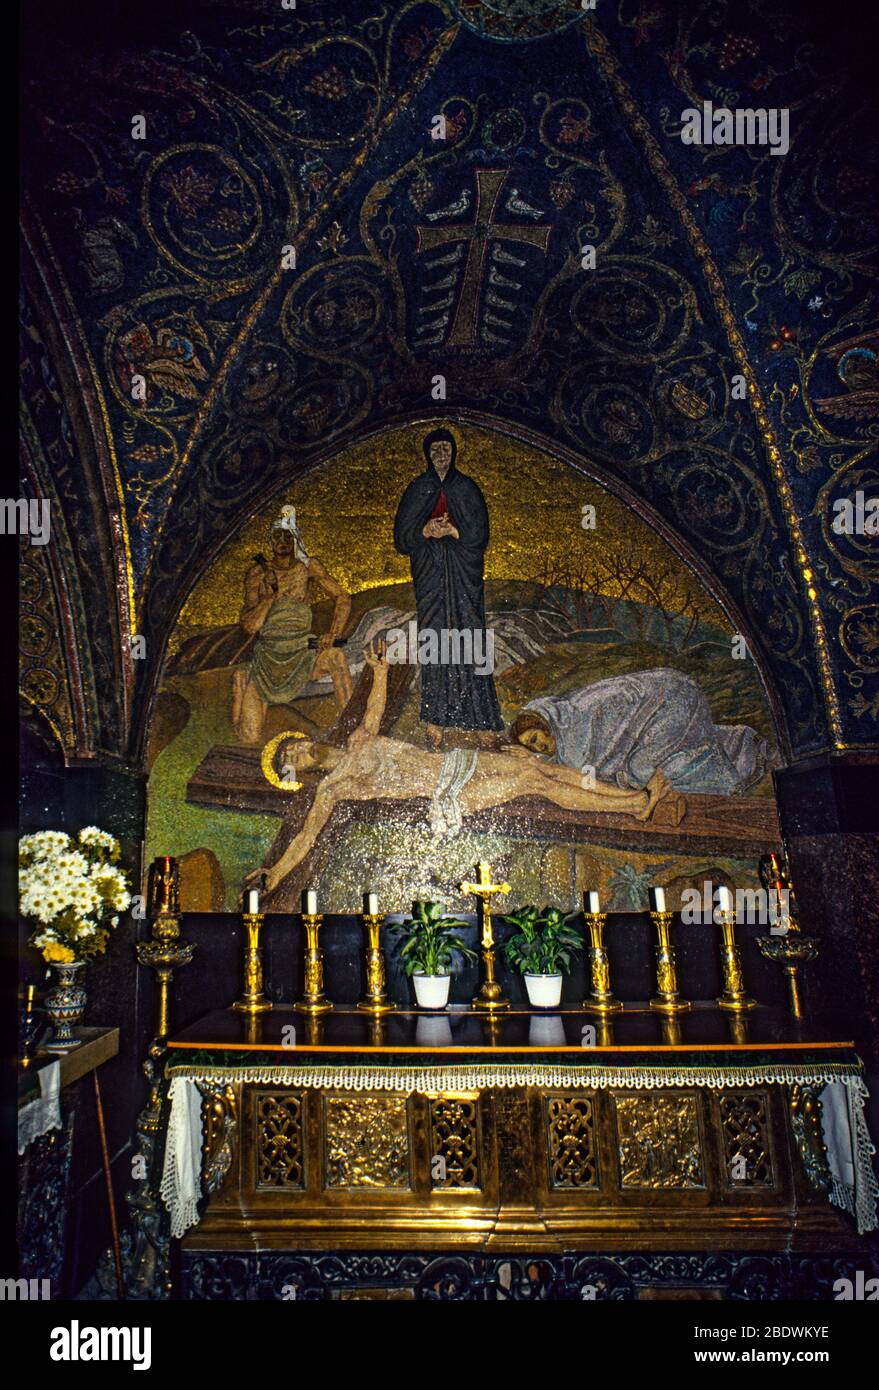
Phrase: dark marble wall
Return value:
(829, 812)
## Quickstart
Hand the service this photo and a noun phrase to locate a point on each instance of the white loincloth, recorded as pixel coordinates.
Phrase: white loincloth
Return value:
(459, 765)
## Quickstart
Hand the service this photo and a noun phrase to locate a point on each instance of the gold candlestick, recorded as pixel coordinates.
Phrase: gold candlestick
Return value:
(790, 951)
(252, 1001)
(313, 1001)
(733, 996)
(667, 1000)
(490, 996)
(787, 946)
(164, 952)
(600, 1000)
(375, 1001)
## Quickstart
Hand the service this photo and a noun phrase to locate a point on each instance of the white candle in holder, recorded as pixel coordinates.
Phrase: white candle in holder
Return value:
(370, 904)
(724, 898)
(309, 902)
(252, 901)
(657, 900)
(592, 901)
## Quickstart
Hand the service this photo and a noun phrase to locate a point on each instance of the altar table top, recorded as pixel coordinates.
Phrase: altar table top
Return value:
(636, 1035)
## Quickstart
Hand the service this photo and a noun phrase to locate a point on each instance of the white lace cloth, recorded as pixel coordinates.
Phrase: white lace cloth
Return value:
(44, 1113)
(849, 1148)
(181, 1173)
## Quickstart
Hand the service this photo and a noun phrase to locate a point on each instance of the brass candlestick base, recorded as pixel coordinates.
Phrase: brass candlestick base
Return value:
(790, 951)
(600, 1000)
(667, 1000)
(164, 953)
(253, 1001)
(375, 1001)
(313, 1001)
(733, 996)
(490, 997)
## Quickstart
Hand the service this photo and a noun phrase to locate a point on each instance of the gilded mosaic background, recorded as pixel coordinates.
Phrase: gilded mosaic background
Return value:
(571, 606)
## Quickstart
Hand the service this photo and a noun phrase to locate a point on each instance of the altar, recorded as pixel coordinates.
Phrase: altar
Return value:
(315, 1157)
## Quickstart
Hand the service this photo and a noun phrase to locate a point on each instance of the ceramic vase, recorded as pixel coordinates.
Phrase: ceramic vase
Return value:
(65, 1005)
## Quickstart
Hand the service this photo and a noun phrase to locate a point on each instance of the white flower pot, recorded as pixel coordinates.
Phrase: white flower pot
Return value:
(544, 991)
(431, 991)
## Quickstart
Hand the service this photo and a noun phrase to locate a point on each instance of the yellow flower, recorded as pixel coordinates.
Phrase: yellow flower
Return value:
(53, 950)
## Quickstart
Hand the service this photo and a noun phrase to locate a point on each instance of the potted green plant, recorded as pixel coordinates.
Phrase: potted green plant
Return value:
(430, 952)
(541, 948)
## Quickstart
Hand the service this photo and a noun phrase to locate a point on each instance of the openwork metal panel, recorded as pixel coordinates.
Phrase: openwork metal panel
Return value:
(454, 1138)
(278, 1121)
(746, 1147)
(570, 1133)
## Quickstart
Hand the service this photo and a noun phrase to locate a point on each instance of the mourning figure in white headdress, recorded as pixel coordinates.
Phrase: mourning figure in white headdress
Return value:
(286, 655)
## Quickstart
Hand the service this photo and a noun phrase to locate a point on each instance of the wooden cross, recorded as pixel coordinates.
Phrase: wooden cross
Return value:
(479, 232)
(484, 890)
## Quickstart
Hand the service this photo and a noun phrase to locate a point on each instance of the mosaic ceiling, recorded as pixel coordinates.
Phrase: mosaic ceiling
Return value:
(272, 136)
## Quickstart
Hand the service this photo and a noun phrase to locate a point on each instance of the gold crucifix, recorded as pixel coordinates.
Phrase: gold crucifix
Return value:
(489, 996)
(478, 233)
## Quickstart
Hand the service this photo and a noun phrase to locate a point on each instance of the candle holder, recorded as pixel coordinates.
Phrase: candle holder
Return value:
(29, 1028)
(790, 952)
(164, 952)
(253, 1000)
(313, 1001)
(733, 996)
(667, 1000)
(600, 1000)
(376, 1000)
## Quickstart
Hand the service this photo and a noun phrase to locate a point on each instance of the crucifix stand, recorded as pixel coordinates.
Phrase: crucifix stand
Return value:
(490, 996)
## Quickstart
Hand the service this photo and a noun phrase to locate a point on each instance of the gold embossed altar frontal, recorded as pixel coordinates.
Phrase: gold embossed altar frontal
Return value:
(537, 1155)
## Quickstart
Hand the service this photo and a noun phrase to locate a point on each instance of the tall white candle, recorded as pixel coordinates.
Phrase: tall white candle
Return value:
(252, 900)
(657, 900)
(724, 898)
(370, 902)
(309, 901)
(591, 900)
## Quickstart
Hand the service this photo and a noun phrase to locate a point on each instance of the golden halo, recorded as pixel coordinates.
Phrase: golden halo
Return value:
(267, 757)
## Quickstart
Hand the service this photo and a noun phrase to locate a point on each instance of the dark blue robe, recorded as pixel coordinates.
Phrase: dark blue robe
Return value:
(449, 593)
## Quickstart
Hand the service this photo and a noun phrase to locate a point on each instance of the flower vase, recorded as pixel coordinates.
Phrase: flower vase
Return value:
(65, 1005)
